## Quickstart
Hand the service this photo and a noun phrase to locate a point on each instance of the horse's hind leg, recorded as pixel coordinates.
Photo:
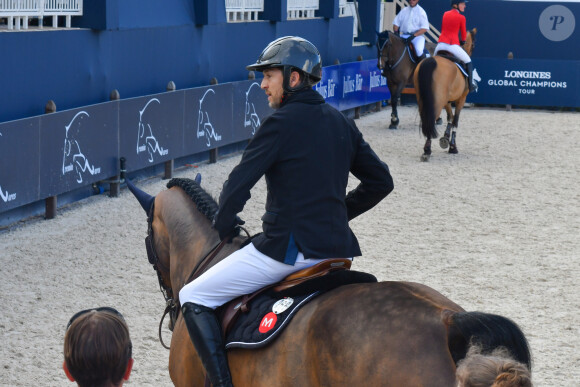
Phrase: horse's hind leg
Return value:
(426, 150)
(455, 124)
(444, 141)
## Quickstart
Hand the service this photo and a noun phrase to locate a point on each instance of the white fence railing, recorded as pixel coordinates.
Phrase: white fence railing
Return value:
(243, 10)
(302, 9)
(18, 12)
(247, 10)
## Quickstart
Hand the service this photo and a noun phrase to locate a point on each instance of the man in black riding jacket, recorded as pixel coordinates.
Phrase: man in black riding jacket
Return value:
(306, 150)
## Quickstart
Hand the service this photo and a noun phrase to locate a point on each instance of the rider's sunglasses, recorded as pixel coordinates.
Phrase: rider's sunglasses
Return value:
(106, 309)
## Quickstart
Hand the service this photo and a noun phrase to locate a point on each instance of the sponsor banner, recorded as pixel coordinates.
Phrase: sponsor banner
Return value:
(353, 84)
(151, 129)
(527, 82)
(250, 109)
(208, 116)
(78, 147)
(19, 163)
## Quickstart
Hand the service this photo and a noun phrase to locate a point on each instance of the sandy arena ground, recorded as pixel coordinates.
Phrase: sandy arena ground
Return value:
(495, 228)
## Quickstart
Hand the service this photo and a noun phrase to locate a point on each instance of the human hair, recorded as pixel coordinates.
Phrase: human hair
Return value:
(97, 348)
(497, 369)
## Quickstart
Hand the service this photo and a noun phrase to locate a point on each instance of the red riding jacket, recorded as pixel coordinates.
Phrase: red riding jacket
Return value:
(453, 22)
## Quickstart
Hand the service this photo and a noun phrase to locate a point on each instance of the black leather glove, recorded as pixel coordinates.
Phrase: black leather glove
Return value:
(461, 42)
(409, 39)
(231, 231)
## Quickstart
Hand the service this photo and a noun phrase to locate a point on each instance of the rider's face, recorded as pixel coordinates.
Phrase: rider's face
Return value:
(413, 2)
(461, 6)
(272, 85)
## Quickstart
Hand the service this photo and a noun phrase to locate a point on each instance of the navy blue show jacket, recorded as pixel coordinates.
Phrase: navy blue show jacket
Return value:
(306, 150)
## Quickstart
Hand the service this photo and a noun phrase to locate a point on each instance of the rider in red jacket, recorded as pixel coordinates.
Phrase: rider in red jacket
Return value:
(454, 24)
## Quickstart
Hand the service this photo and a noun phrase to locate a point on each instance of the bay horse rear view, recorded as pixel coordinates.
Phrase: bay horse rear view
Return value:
(397, 63)
(377, 334)
(438, 83)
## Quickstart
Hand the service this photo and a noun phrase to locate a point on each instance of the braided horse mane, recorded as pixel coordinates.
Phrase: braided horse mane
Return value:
(203, 201)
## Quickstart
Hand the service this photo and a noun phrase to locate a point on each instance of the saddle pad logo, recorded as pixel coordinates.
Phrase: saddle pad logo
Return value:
(281, 305)
(268, 322)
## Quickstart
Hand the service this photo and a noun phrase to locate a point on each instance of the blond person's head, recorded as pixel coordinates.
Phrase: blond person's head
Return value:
(97, 348)
(497, 369)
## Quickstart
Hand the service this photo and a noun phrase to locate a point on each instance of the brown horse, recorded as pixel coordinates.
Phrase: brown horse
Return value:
(376, 334)
(438, 82)
(396, 64)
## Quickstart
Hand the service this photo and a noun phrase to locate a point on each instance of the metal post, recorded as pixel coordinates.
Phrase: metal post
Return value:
(50, 202)
(357, 109)
(114, 183)
(508, 107)
(169, 164)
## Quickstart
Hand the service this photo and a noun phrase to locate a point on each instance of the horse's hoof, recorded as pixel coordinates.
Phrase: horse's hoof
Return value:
(392, 126)
(444, 142)
(425, 157)
(439, 121)
(453, 150)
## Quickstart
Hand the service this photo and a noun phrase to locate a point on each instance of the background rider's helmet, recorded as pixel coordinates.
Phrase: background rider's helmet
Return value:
(456, 2)
(291, 53)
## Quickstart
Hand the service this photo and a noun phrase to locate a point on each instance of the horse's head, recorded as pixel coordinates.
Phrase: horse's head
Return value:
(169, 233)
(390, 49)
(470, 41)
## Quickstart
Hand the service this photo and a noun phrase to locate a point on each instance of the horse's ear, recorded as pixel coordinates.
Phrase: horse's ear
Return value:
(198, 178)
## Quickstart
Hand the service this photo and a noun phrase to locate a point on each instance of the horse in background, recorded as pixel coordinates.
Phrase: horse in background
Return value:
(397, 62)
(381, 333)
(438, 83)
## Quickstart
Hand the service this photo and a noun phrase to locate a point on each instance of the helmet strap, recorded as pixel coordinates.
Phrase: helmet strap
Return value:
(287, 72)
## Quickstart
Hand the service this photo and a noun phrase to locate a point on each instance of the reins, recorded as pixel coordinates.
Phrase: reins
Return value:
(172, 303)
(382, 56)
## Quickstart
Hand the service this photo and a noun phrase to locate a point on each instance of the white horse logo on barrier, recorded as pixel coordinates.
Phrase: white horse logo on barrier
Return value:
(204, 125)
(250, 116)
(146, 141)
(73, 158)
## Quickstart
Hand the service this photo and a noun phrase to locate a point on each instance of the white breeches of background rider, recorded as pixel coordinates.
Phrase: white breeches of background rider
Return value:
(456, 50)
(243, 272)
(418, 42)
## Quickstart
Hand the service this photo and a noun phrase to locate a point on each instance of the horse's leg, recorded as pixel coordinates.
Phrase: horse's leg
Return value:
(426, 150)
(444, 141)
(397, 88)
(458, 106)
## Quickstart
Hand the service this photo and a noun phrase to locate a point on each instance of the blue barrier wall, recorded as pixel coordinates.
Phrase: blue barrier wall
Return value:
(528, 29)
(61, 152)
(138, 46)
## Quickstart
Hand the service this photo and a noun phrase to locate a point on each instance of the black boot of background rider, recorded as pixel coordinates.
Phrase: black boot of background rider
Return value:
(470, 76)
(205, 333)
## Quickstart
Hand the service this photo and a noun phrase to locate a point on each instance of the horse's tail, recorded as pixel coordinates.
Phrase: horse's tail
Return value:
(489, 332)
(427, 96)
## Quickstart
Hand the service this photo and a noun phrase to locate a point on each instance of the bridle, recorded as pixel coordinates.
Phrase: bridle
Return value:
(385, 58)
(171, 302)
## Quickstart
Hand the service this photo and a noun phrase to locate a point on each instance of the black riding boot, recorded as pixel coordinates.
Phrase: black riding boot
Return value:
(205, 333)
(470, 76)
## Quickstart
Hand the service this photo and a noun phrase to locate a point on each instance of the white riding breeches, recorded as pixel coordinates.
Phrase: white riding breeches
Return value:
(242, 272)
(418, 42)
(456, 50)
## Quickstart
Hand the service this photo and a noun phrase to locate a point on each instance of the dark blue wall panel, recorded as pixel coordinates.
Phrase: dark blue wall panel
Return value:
(19, 163)
(150, 129)
(518, 27)
(81, 67)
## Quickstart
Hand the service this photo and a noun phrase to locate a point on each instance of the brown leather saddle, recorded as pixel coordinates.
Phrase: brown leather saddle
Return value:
(231, 310)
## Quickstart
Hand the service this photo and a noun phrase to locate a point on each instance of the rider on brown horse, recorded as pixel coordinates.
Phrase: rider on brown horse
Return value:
(306, 150)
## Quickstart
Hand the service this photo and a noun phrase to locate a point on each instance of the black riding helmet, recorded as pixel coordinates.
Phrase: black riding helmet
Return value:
(291, 53)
